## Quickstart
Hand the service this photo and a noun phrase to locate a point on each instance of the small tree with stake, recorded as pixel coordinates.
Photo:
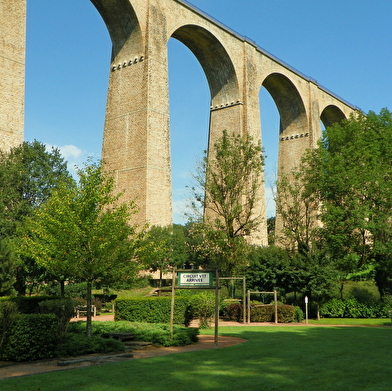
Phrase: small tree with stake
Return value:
(229, 181)
(82, 232)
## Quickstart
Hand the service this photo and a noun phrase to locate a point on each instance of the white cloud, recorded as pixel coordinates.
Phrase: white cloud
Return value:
(74, 156)
(270, 200)
(71, 152)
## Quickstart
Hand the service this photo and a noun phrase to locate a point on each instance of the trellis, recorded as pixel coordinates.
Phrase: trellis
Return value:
(243, 292)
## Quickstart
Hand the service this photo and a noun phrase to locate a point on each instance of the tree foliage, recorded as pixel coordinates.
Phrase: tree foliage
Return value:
(227, 190)
(28, 175)
(164, 248)
(351, 173)
(7, 262)
(83, 233)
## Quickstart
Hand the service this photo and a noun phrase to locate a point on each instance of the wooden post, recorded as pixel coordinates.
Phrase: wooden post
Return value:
(216, 308)
(172, 302)
(276, 306)
(244, 298)
(248, 306)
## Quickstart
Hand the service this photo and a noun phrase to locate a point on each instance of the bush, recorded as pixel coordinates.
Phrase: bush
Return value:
(203, 308)
(352, 308)
(265, 313)
(8, 311)
(299, 314)
(262, 313)
(234, 312)
(286, 313)
(30, 304)
(158, 334)
(104, 297)
(153, 310)
(80, 344)
(64, 311)
(31, 337)
(70, 290)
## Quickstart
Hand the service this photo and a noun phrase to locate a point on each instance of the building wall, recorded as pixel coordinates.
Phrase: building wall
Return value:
(12, 65)
(136, 145)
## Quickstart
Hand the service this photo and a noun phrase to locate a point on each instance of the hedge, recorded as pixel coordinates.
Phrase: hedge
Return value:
(153, 310)
(262, 313)
(30, 337)
(28, 304)
(352, 308)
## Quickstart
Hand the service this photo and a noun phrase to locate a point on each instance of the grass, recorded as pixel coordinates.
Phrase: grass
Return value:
(353, 321)
(140, 292)
(281, 358)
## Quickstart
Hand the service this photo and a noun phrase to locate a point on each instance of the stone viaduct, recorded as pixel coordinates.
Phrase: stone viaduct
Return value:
(136, 144)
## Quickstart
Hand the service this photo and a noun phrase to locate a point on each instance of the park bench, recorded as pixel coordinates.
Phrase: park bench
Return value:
(82, 309)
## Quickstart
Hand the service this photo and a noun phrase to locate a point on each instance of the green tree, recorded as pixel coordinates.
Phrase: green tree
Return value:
(163, 248)
(83, 232)
(28, 175)
(7, 263)
(297, 205)
(271, 230)
(227, 190)
(352, 172)
(269, 269)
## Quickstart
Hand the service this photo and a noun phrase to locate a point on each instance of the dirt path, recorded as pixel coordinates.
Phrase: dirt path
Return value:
(205, 342)
(32, 368)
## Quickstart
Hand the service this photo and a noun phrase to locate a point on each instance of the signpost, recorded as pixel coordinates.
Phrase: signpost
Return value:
(196, 279)
(191, 279)
(306, 309)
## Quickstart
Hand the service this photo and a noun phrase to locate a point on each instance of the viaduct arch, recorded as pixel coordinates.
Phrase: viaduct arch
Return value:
(136, 144)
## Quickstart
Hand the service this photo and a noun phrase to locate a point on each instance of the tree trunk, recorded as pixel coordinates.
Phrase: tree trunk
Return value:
(20, 285)
(89, 301)
(62, 289)
(341, 290)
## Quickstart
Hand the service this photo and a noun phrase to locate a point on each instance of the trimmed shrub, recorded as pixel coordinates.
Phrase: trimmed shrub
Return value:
(203, 308)
(31, 337)
(8, 311)
(64, 311)
(352, 308)
(264, 313)
(80, 344)
(30, 304)
(234, 312)
(158, 334)
(286, 313)
(153, 310)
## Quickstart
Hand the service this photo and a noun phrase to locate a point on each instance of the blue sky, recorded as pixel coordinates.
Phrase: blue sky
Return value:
(345, 45)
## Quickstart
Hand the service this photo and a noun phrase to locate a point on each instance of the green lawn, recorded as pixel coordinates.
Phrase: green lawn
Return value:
(282, 358)
(353, 321)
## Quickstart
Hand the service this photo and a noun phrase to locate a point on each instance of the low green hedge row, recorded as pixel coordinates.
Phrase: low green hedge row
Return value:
(153, 310)
(156, 333)
(30, 337)
(352, 308)
(263, 313)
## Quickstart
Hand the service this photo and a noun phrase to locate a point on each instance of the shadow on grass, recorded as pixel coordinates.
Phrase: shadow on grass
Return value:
(274, 358)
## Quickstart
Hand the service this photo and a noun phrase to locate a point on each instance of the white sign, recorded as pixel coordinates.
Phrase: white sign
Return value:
(194, 278)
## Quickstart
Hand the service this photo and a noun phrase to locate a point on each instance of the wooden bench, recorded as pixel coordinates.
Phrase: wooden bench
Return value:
(83, 309)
